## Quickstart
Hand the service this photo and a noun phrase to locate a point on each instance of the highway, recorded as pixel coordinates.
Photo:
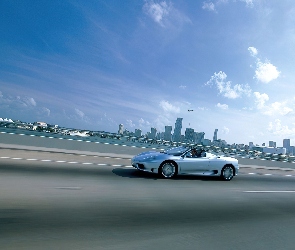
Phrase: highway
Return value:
(58, 200)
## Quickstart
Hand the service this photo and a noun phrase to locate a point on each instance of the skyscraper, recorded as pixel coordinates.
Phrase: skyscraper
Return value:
(177, 130)
(215, 135)
(286, 145)
(167, 134)
(189, 135)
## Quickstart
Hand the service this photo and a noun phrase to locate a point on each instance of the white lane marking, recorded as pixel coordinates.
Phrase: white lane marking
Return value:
(270, 191)
(46, 160)
(106, 143)
(97, 142)
(107, 157)
(101, 164)
(16, 158)
(32, 159)
(70, 188)
(50, 137)
(117, 165)
(3, 132)
(128, 166)
(82, 155)
(11, 133)
(21, 134)
(5, 157)
(79, 140)
(60, 161)
(60, 138)
(267, 174)
(42, 136)
(72, 162)
(70, 139)
(251, 173)
(288, 175)
(87, 163)
(32, 135)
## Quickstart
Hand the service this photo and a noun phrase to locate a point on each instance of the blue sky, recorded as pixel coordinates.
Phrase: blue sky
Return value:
(143, 63)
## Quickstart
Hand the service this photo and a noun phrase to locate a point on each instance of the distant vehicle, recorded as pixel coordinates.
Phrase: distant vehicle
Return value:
(186, 160)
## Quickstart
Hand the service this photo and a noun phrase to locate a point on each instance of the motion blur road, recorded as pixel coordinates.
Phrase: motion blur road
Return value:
(71, 201)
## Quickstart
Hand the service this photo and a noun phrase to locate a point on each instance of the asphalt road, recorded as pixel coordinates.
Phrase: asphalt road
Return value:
(75, 201)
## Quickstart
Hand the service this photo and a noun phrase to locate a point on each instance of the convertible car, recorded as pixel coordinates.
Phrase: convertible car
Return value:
(185, 160)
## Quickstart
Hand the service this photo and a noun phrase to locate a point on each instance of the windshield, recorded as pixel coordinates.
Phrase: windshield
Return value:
(176, 151)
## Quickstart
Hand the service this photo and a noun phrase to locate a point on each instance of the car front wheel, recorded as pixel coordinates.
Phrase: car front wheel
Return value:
(227, 173)
(167, 170)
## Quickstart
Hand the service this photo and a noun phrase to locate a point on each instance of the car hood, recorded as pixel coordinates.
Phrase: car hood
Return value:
(149, 155)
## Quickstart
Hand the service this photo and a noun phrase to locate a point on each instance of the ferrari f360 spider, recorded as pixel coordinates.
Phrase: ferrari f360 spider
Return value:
(186, 160)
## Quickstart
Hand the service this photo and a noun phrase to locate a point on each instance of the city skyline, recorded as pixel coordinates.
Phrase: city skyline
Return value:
(182, 134)
(218, 64)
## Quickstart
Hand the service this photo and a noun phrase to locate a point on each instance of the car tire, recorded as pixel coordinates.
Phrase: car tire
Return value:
(227, 172)
(168, 170)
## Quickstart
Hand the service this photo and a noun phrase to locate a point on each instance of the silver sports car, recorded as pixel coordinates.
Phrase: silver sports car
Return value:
(186, 160)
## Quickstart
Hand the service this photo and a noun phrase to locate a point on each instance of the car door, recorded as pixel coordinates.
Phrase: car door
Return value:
(191, 165)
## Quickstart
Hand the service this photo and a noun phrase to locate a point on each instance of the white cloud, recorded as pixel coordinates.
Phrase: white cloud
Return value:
(142, 122)
(130, 124)
(225, 88)
(212, 5)
(168, 107)
(277, 128)
(253, 51)
(208, 6)
(225, 130)
(222, 106)
(79, 113)
(278, 108)
(275, 108)
(32, 101)
(157, 11)
(182, 87)
(249, 3)
(46, 111)
(260, 99)
(266, 72)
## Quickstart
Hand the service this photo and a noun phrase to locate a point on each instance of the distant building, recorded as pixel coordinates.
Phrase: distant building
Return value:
(206, 142)
(251, 145)
(39, 125)
(168, 133)
(270, 150)
(286, 145)
(199, 137)
(272, 144)
(137, 133)
(177, 130)
(152, 134)
(189, 135)
(215, 135)
(121, 129)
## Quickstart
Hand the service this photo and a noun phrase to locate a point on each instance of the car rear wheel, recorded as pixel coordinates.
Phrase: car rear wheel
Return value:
(167, 170)
(227, 172)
